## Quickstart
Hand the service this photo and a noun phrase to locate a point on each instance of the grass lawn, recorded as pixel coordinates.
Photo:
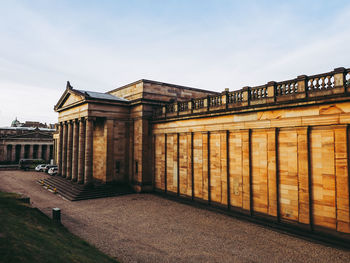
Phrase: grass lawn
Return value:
(28, 235)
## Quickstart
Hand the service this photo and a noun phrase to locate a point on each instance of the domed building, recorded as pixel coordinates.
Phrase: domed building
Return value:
(16, 123)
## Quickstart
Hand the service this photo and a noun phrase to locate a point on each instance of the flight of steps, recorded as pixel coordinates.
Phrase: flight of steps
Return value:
(75, 192)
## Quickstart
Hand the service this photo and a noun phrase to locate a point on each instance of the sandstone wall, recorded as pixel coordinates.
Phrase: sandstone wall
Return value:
(289, 165)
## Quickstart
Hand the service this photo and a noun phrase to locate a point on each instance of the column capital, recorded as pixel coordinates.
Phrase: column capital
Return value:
(90, 118)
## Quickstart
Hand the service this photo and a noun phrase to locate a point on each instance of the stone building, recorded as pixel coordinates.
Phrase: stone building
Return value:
(24, 141)
(279, 151)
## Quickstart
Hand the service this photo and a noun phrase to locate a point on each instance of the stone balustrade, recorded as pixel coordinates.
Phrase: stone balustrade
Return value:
(303, 87)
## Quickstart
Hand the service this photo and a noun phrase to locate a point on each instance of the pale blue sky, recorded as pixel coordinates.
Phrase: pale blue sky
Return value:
(100, 45)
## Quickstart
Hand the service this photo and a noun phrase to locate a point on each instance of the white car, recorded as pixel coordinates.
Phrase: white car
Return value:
(40, 167)
(53, 170)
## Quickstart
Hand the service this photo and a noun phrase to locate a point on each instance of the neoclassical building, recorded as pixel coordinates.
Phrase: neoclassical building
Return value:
(278, 152)
(22, 142)
(107, 137)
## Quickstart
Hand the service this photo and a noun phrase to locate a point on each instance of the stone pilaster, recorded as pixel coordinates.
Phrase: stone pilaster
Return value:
(88, 151)
(64, 150)
(81, 151)
(59, 149)
(75, 151)
(69, 150)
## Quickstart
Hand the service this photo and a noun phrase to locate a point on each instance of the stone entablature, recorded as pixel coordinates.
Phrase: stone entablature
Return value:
(301, 89)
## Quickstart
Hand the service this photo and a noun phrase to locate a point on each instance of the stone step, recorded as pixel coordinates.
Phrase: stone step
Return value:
(75, 192)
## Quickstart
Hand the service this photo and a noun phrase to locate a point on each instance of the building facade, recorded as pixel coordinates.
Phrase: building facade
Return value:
(23, 142)
(279, 151)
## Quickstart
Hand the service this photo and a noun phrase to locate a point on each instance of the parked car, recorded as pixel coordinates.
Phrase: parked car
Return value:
(27, 164)
(40, 167)
(53, 170)
(47, 167)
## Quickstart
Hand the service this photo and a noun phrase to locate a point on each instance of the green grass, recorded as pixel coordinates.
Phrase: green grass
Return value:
(28, 235)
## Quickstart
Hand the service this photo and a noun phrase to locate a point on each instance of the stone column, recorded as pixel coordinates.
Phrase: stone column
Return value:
(69, 150)
(51, 152)
(81, 152)
(47, 154)
(64, 150)
(59, 149)
(5, 153)
(13, 153)
(75, 151)
(40, 151)
(31, 151)
(22, 151)
(88, 151)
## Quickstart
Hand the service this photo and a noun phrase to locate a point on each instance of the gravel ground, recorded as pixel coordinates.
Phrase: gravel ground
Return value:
(148, 228)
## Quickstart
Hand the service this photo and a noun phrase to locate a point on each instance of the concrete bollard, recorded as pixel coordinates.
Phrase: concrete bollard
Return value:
(56, 215)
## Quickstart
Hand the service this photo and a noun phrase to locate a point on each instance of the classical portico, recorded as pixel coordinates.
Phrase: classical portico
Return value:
(81, 119)
(106, 137)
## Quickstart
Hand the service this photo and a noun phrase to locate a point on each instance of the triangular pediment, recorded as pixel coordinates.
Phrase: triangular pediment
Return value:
(69, 97)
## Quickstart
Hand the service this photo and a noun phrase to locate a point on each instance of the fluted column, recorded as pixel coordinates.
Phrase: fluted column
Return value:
(75, 150)
(13, 153)
(40, 151)
(64, 150)
(22, 151)
(88, 151)
(69, 150)
(59, 148)
(81, 152)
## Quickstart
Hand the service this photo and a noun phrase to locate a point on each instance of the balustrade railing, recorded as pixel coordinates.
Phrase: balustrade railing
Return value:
(198, 103)
(215, 100)
(333, 83)
(182, 106)
(287, 87)
(320, 82)
(170, 108)
(234, 96)
(259, 92)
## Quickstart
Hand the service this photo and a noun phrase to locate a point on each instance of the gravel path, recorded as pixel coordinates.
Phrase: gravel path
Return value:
(148, 228)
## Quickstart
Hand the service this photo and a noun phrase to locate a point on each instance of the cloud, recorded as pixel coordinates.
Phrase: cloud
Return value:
(201, 44)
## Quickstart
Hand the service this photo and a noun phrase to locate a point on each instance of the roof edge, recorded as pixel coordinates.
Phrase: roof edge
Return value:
(162, 83)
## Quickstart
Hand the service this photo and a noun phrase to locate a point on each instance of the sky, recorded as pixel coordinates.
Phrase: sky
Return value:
(101, 45)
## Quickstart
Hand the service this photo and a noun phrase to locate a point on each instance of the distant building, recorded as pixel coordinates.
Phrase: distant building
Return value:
(29, 140)
(31, 124)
